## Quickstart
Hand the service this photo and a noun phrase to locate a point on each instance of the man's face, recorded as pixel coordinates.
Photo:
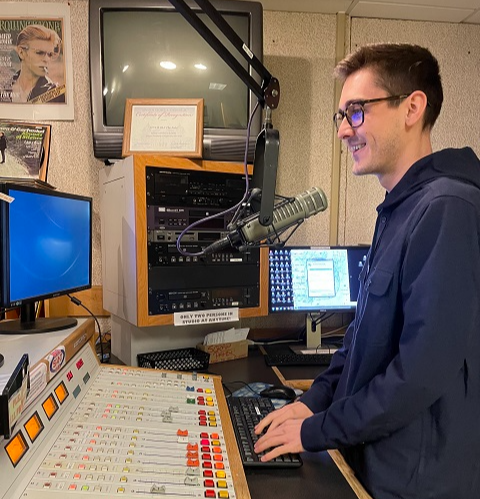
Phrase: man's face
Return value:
(377, 144)
(37, 56)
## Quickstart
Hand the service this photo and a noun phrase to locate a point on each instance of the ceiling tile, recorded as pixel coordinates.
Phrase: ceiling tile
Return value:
(409, 12)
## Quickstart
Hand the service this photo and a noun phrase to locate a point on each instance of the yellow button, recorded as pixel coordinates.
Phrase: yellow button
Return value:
(222, 484)
(207, 390)
(220, 474)
(215, 442)
(223, 494)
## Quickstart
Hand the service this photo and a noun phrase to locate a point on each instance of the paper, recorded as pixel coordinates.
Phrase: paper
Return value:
(228, 336)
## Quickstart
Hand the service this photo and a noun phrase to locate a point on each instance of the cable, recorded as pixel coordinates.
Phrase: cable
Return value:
(100, 337)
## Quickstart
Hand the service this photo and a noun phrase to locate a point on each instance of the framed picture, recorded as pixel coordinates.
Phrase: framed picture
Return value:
(36, 71)
(173, 127)
(24, 150)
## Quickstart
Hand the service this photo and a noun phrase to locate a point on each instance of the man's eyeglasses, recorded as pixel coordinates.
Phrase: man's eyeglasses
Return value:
(41, 53)
(355, 112)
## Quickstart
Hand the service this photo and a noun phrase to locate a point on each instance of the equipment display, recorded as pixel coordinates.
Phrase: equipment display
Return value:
(46, 251)
(164, 57)
(175, 199)
(126, 431)
(315, 279)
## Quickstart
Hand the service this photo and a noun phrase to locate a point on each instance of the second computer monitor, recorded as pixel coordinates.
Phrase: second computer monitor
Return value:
(308, 279)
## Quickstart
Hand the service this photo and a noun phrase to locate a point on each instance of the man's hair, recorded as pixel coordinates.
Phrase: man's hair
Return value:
(38, 32)
(399, 69)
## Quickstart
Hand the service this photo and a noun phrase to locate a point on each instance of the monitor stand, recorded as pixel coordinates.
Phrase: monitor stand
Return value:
(314, 339)
(29, 324)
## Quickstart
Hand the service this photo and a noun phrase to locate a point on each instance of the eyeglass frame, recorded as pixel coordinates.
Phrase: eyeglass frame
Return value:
(42, 53)
(361, 103)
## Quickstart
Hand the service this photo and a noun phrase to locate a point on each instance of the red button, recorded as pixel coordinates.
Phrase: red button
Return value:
(209, 483)
(208, 464)
(206, 457)
(209, 493)
(203, 435)
(208, 474)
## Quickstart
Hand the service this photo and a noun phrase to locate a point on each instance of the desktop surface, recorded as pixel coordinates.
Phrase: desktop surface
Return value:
(319, 476)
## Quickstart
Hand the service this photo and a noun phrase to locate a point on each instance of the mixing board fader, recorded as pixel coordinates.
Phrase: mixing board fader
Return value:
(113, 431)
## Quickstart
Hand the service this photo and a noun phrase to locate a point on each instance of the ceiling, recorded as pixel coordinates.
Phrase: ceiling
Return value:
(453, 11)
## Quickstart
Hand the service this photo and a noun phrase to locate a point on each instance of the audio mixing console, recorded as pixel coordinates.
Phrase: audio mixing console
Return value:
(109, 431)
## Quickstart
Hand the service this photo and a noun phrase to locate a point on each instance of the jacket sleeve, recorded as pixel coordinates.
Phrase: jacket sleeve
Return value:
(320, 394)
(439, 286)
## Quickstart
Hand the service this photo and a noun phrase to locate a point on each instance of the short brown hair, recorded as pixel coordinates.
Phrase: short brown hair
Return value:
(38, 32)
(399, 69)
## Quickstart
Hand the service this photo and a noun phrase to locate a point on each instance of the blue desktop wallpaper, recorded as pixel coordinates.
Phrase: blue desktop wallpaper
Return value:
(49, 244)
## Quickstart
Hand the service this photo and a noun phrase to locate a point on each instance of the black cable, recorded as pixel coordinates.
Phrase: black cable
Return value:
(100, 336)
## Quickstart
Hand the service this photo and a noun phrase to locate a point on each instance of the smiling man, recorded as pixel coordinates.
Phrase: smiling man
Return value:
(401, 399)
(36, 47)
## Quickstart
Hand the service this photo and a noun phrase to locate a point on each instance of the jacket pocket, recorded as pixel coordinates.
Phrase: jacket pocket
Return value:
(378, 282)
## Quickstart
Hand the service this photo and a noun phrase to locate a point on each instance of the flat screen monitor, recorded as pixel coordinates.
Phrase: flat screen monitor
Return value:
(308, 279)
(46, 251)
(148, 50)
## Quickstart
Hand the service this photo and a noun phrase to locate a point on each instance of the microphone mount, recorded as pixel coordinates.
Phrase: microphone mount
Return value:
(268, 95)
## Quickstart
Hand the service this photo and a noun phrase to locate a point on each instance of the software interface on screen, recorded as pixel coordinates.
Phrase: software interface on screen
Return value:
(315, 279)
(49, 244)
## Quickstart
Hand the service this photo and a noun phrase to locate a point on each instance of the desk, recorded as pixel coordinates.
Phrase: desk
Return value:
(323, 474)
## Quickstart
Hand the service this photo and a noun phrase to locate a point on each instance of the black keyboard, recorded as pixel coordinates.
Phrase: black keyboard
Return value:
(298, 359)
(246, 412)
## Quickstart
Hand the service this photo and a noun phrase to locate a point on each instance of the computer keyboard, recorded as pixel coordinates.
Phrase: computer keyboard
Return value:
(246, 412)
(298, 359)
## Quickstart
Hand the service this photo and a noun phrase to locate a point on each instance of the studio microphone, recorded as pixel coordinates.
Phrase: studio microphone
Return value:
(285, 215)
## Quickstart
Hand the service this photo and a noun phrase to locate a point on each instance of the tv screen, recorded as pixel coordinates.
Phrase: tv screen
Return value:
(46, 245)
(315, 279)
(148, 50)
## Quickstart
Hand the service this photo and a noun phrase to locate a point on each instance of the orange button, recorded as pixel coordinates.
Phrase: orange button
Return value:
(215, 435)
(219, 466)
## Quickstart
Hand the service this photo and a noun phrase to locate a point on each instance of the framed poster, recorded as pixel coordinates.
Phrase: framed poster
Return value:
(36, 75)
(24, 150)
(173, 127)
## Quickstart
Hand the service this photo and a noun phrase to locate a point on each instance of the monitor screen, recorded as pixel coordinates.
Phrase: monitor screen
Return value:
(163, 57)
(46, 246)
(315, 279)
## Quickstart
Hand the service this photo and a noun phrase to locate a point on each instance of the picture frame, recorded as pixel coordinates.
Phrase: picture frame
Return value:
(48, 96)
(24, 150)
(172, 127)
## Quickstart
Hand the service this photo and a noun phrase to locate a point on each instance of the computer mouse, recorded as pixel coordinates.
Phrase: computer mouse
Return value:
(279, 392)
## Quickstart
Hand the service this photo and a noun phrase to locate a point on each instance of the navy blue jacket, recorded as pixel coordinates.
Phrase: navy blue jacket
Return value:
(401, 399)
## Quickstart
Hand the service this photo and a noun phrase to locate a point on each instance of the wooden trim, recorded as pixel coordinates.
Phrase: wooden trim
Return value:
(236, 467)
(140, 162)
(62, 306)
(349, 475)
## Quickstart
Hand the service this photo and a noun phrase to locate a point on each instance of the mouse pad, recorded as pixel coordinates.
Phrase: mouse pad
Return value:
(254, 389)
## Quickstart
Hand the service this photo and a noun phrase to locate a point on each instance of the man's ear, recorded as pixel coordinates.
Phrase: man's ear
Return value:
(416, 105)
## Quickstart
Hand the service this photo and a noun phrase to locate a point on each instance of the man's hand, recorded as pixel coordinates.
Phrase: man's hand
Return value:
(283, 435)
(297, 410)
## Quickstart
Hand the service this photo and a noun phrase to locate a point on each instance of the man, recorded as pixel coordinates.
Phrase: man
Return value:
(3, 146)
(36, 47)
(401, 399)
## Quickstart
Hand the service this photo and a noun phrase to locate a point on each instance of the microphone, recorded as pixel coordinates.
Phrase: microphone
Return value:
(285, 215)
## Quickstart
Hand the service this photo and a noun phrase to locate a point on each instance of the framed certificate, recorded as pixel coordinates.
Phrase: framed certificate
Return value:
(173, 127)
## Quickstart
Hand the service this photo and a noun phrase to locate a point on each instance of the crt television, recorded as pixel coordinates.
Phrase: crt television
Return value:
(45, 251)
(309, 279)
(145, 49)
